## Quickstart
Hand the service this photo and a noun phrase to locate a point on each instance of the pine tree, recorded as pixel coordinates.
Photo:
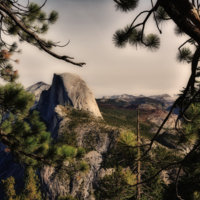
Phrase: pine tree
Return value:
(117, 186)
(186, 16)
(24, 134)
(31, 190)
(32, 186)
(122, 183)
(9, 188)
(138, 161)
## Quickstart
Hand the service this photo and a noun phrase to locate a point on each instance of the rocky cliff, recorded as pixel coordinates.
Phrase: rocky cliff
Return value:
(37, 89)
(96, 137)
(66, 89)
(72, 116)
(59, 106)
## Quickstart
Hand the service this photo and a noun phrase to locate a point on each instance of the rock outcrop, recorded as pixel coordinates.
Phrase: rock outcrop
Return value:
(56, 103)
(67, 89)
(159, 116)
(37, 89)
(94, 136)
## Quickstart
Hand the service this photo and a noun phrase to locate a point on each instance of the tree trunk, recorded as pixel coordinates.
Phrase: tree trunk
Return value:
(138, 162)
(186, 17)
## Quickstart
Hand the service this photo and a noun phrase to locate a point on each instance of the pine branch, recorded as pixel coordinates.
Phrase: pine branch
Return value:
(37, 39)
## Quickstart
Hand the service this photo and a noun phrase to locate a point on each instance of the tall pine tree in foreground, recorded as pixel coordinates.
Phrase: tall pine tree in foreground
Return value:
(186, 16)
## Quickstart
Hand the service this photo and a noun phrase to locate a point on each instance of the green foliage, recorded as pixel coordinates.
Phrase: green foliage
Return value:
(155, 188)
(123, 159)
(126, 141)
(196, 195)
(161, 16)
(68, 197)
(9, 189)
(6, 69)
(68, 138)
(79, 113)
(31, 190)
(152, 41)
(53, 17)
(188, 133)
(184, 55)
(27, 24)
(80, 152)
(83, 167)
(126, 5)
(188, 184)
(120, 39)
(125, 118)
(69, 135)
(116, 186)
(35, 20)
(178, 32)
(135, 37)
(191, 128)
(25, 135)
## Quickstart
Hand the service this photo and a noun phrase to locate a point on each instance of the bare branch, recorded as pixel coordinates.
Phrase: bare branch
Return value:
(155, 18)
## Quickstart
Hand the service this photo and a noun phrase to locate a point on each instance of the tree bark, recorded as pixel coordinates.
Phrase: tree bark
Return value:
(186, 17)
(184, 14)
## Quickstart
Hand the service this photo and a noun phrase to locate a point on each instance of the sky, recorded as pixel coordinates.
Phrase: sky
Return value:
(90, 25)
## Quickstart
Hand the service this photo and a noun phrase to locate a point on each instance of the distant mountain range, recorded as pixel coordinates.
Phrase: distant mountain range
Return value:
(132, 97)
(163, 101)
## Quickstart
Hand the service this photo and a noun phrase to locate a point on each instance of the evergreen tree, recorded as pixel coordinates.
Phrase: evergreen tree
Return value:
(31, 190)
(186, 16)
(25, 135)
(117, 186)
(9, 188)
(122, 183)
(32, 186)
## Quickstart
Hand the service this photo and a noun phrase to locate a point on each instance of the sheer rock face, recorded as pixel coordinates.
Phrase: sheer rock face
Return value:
(67, 89)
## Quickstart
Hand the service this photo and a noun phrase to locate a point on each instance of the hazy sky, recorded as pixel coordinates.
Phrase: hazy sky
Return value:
(90, 25)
